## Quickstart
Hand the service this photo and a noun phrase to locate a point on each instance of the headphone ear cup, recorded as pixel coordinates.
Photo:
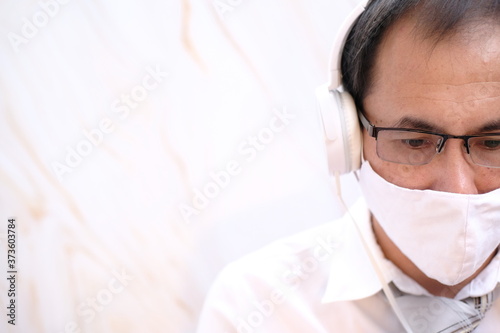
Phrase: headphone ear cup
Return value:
(340, 123)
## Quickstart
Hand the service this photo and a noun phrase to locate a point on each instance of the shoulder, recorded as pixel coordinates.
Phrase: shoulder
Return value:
(288, 252)
(305, 258)
(289, 276)
(293, 268)
(315, 244)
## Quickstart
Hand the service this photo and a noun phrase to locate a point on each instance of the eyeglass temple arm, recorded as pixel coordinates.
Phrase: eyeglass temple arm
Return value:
(366, 124)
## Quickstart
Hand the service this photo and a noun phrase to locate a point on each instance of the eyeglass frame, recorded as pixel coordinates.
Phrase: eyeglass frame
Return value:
(374, 130)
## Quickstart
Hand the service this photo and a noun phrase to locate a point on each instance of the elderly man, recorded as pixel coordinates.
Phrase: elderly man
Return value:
(418, 252)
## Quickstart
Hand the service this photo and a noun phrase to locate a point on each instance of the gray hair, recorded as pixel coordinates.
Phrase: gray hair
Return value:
(436, 19)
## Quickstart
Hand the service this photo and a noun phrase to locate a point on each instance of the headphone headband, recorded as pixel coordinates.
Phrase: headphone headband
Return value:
(338, 46)
(337, 108)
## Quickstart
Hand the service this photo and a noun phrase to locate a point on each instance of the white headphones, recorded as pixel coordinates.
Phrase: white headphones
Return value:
(337, 109)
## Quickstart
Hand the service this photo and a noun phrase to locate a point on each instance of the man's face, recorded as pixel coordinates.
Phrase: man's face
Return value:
(453, 87)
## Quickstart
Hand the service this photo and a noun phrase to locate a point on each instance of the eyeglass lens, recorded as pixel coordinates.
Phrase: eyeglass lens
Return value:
(415, 148)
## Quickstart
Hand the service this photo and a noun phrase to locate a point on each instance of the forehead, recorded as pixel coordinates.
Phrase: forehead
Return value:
(451, 79)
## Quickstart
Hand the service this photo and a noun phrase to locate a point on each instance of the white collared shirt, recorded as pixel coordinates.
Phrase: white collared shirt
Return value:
(320, 280)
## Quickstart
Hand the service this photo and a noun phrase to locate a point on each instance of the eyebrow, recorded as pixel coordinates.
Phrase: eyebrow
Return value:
(415, 123)
(492, 126)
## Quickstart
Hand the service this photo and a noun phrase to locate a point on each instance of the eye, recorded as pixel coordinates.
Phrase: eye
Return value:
(415, 143)
(490, 143)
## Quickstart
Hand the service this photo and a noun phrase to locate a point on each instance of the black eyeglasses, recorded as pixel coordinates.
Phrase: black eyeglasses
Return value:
(418, 147)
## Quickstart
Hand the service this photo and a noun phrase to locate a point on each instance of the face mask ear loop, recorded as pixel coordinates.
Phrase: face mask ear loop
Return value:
(376, 265)
(356, 172)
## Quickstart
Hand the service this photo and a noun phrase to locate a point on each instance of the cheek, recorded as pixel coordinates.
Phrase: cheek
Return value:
(487, 180)
(369, 148)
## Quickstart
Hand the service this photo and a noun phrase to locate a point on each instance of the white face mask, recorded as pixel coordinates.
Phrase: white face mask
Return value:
(448, 236)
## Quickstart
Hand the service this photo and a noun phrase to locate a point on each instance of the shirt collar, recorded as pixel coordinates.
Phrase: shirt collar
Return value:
(353, 277)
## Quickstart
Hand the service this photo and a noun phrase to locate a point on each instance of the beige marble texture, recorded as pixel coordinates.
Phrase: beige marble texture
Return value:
(116, 115)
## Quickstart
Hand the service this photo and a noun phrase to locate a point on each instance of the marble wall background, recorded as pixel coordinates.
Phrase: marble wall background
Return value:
(145, 144)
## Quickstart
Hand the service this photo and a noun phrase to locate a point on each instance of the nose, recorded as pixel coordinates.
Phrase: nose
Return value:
(454, 169)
